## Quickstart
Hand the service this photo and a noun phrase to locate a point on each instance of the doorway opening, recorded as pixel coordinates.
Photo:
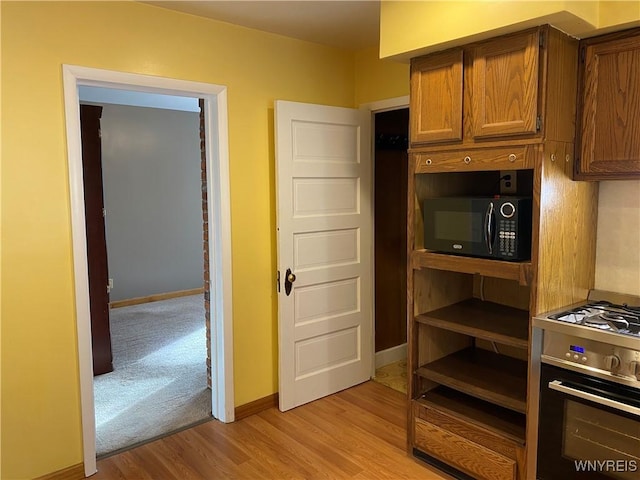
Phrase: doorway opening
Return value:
(219, 239)
(390, 164)
(144, 177)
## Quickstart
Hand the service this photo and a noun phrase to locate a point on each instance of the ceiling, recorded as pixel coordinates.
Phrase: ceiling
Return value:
(345, 24)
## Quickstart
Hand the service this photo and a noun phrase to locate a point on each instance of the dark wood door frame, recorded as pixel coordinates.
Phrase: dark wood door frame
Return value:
(97, 264)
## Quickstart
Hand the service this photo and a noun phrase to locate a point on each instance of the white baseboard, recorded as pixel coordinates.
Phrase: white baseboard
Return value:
(390, 355)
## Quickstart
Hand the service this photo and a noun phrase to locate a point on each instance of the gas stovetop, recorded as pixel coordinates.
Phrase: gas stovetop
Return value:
(598, 338)
(602, 315)
(605, 317)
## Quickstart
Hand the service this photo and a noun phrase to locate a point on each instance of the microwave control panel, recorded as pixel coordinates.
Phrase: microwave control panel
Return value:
(507, 237)
(507, 230)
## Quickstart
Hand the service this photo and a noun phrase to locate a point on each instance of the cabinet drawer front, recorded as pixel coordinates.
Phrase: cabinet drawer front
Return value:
(468, 431)
(507, 158)
(459, 452)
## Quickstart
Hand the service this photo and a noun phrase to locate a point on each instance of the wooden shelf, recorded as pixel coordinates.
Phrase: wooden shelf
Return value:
(506, 423)
(519, 271)
(486, 320)
(489, 376)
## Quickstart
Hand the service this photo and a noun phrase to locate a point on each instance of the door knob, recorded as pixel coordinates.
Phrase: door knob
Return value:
(289, 278)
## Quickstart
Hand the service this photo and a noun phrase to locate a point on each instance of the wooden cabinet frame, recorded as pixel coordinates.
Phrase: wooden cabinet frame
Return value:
(471, 354)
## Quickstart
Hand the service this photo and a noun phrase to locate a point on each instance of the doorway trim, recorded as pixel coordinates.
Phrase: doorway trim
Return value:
(386, 105)
(379, 106)
(219, 217)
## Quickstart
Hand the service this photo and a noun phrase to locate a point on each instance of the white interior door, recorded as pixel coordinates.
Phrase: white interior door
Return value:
(323, 172)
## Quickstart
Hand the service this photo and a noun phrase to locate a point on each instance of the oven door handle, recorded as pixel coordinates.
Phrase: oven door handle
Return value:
(607, 402)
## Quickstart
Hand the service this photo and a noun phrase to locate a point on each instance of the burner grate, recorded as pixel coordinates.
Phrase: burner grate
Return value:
(621, 319)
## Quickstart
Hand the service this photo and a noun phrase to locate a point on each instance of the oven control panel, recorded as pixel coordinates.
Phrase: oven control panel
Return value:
(593, 356)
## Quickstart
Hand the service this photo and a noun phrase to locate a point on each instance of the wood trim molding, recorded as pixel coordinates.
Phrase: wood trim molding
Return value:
(74, 472)
(155, 298)
(257, 406)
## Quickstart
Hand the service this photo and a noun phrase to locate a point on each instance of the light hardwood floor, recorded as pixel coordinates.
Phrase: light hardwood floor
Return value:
(355, 434)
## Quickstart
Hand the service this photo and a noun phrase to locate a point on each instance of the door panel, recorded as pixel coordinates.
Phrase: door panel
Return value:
(324, 237)
(328, 299)
(325, 196)
(96, 240)
(325, 248)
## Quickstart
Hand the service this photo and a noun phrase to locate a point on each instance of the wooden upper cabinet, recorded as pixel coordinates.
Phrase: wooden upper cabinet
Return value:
(487, 91)
(505, 86)
(609, 107)
(436, 93)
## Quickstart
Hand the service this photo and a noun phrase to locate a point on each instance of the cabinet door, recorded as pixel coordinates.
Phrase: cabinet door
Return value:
(505, 86)
(436, 98)
(610, 117)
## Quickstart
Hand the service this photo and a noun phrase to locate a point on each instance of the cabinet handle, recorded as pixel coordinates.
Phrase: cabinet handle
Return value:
(427, 161)
(512, 157)
(467, 160)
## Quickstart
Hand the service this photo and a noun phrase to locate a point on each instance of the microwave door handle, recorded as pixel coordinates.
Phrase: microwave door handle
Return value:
(607, 402)
(488, 228)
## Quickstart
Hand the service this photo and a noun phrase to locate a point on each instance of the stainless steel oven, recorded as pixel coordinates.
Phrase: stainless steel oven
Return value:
(588, 427)
(589, 404)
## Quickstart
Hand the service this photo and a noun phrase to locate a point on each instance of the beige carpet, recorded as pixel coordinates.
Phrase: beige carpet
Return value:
(159, 382)
(393, 375)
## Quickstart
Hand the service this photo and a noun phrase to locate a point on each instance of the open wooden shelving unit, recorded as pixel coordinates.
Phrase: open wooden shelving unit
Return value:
(471, 363)
(501, 421)
(485, 320)
(519, 271)
(482, 374)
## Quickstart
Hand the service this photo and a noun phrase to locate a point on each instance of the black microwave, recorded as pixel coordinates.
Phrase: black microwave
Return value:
(495, 227)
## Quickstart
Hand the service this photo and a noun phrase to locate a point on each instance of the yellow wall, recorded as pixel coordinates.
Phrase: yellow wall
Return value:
(40, 414)
(379, 79)
(409, 29)
(618, 14)
(1, 210)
